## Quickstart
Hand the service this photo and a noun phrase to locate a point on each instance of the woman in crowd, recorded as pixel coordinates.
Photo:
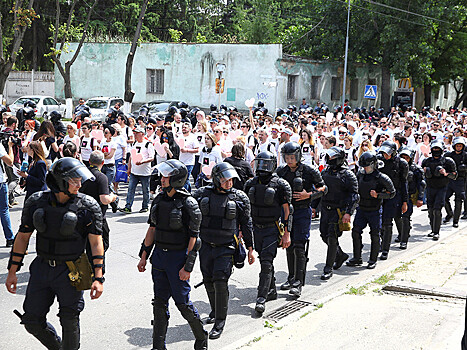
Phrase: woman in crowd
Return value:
(37, 170)
(168, 142)
(46, 136)
(210, 155)
(243, 168)
(109, 147)
(28, 134)
(423, 148)
(71, 137)
(307, 143)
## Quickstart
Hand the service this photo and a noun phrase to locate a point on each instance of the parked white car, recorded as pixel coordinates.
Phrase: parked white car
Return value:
(99, 106)
(44, 105)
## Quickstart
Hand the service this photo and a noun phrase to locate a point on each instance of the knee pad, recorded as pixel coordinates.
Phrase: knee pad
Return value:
(374, 233)
(356, 232)
(332, 240)
(221, 287)
(266, 267)
(34, 328)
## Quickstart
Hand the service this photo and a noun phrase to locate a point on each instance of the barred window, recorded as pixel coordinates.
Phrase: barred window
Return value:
(155, 81)
(291, 87)
(335, 88)
(315, 86)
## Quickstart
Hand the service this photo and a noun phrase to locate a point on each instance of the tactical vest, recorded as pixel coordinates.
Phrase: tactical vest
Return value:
(335, 182)
(392, 169)
(171, 233)
(297, 183)
(413, 178)
(461, 163)
(436, 180)
(366, 183)
(219, 221)
(57, 236)
(265, 207)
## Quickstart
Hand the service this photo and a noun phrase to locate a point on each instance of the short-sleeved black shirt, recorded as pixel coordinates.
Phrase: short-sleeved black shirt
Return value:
(97, 187)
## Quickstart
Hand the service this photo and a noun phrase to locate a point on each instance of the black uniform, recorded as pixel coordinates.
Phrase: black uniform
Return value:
(342, 196)
(456, 186)
(224, 214)
(436, 188)
(267, 195)
(303, 178)
(59, 239)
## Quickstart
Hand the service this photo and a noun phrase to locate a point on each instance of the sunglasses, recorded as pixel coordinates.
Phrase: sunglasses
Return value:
(149, 129)
(225, 132)
(84, 129)
(244, 126)
(217, 132)
(342, 132)
(69, 127)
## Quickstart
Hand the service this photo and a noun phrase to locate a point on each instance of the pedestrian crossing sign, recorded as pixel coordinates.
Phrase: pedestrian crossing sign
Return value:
(370, 91)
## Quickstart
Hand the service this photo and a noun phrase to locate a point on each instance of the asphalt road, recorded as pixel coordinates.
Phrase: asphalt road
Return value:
(121, 318)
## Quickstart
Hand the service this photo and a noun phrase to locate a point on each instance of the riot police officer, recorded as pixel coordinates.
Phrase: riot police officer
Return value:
(438, 170)
(269, 195)
(225, 211)
(174, 228)
(397, 169)
(307, 185)
(457, 186)
(338, 204)
(416, 189)
(64, 220)
(373, 187)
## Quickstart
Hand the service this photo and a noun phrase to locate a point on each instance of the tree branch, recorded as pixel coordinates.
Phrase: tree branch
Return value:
(68, 24)
(57, 25)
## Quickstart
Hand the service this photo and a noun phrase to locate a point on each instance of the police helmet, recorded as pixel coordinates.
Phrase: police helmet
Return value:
(437, 148)
(260, 104)
(368, 159)
(183, 112)
(233, 109)
(279, 111)
(183, 104)
(64, 169)
(213, 108)
(347, 109)
(175, 170)
(265, 162)
(194, 111)
(388, 147)
(152, 119)
(458, 140)
(143, 110)
(264, 110)
(292, 148)
(172, 110)
(30, 103)
(335, 157)
(112, 113)
(29, 113)
(55, 116)
(222, 171)
(408, 153)
(222, 108)
(83, 113)
(338, 109)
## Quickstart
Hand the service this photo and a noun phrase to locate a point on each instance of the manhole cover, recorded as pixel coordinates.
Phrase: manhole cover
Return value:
(287, 310)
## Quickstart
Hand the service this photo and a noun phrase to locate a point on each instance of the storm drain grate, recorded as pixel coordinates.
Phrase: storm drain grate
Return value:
(287, 309)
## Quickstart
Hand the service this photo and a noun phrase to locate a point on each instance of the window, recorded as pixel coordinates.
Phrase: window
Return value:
(335, 88)
(155, 81)
(446, 90)
(291, 87)
(354, 89)
(315, 86)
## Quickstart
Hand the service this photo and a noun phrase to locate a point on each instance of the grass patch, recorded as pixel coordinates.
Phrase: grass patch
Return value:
(319, 306)
(305, 314)
(257, 339)
(357, 291)
(268, 324)
(403, 267)
(384, 279)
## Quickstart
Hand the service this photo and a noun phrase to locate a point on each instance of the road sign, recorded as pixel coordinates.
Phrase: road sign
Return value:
(370, 91)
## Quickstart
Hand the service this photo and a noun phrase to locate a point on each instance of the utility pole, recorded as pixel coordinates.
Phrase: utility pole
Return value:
(346, 53)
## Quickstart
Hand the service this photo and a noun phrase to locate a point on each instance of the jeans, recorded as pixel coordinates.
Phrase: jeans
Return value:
(109, 171)
(5, 212)
(134, 180)
(187, 184)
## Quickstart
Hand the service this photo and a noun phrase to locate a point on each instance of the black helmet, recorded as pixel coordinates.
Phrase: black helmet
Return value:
(174, 169)
(213, 107)
(458, 140)
(265, 162)
(407, 152)
(30, 103)
(64, 169)
(143, 110)
(292, 148)
(233, 109)
(279, 112)
(347, 109)
(112, 113)
(28, 113)
(223, 107)
(172, 110)
(388, 147)
(152, 119)
(335, 157)
(260, 104)
(338, 109)
(183, 104)
(222, 171)
(368, 159)
(55, 116)
(83, 113)
(437, 144)
(194, 111)
(183, 112)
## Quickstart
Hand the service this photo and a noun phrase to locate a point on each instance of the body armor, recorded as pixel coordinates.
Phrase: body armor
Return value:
(265, 207)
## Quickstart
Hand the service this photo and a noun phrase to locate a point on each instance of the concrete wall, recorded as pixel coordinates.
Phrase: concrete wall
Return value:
(189, 71)
(21, 83)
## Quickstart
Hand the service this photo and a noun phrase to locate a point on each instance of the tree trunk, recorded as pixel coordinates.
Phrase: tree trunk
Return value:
(5, 69)
(385, 88)
(129, 94)
(427, 90)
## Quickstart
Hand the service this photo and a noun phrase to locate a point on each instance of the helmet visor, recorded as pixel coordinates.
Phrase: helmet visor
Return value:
(79, 172)
(166, 169)
(265, 165)
(227, 174)
(332, 153)
(386, 149)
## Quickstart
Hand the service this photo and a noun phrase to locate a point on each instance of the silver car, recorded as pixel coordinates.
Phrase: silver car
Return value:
(99, 106)
(44, 105)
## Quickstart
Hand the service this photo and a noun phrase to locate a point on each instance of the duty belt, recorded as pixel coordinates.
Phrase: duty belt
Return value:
(272, 224)
(52, 263)
(328, 207)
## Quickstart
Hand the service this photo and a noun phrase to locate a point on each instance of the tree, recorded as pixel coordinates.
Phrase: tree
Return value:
(129, 94)
(22, 19)
(64, 33)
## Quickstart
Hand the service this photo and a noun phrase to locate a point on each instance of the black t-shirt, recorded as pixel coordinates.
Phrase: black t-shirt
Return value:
(243, 169)
(97, 187)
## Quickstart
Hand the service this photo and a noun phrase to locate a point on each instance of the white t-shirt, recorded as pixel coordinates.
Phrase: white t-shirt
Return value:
(200, 139)
(146, 148)
(120, 142)
(307, 154)
(206, 158)
(86, 147)
(108, 147)
(267, 146)
(75, 139)
(189, 158)
(3, 177)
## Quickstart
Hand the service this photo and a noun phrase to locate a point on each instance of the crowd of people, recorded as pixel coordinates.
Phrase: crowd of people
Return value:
(212, 180)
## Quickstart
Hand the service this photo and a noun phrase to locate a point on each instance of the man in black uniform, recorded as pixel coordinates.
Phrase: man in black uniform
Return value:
(397, 169)
(338, 204)
(416, 188)
(174, 228)
(307, 185)
(373, 187)
(270, 198)
(224, 210)
(457, 186)
(64, 220)
(438, 170)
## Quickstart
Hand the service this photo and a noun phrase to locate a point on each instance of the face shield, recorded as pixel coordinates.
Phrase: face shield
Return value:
(78, 172)
(266, 165)
(386, 149)
(291, 156)
(227, 174)
(166, 169)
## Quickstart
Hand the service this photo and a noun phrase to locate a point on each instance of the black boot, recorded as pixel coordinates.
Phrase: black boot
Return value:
(209, 286)
(430, 217)
(264, 285)
(387, 237)
(45, 333)
(160, 324)
(457, 212)
(70, 331)
(405, 231)
(291, 267)
(272, 294)
(375, 245)
(398, 222)
(330, 257)
(449, 213)
(190, 314)
(341, 257)
(300, 271)
(222, 303)
(357, 244)
(437, 217)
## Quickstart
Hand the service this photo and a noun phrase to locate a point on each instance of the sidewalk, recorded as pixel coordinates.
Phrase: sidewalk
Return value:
(370, 317)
